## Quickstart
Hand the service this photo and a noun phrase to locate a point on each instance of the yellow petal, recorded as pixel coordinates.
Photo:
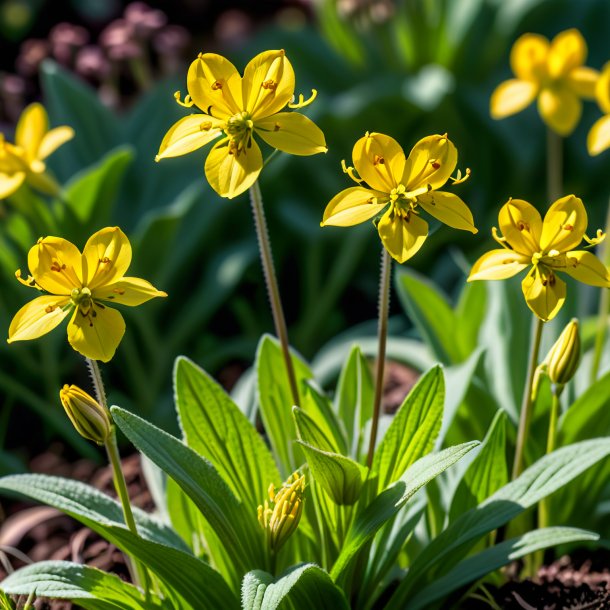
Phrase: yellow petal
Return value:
(353, 206)
(380, 161)
(602, 89)
(528, 57)
(448, 208)
(31, 128)
(598, 138)
(564, 225)
(585, 267)
(568, 51)
(56, 265)
(521, 225)
(498, 265)
(583, 82)
(560, 109)
(429, 165)
(106, 257)
(128, 291)
(215, 85)
(292, 133)
(230, 174)
(53, 139)
(402, 237)
(10, 183)
(544, 292)
(97, 334)
(189, 134)
(38, 317)
(268, 84)
(512, 96)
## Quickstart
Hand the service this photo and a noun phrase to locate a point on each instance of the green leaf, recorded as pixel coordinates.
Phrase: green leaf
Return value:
(470, 312)
(91, 194)
(589, 416)
(485, 562)
(354, 398)
(234, 522)
(71, 102)
(216, 429)
(301, 587)
(487, 473)
(431, 313)
(194, 580)
(541, 479)
(413, 430)
(88, 587)
(339, 476)
(387, 504)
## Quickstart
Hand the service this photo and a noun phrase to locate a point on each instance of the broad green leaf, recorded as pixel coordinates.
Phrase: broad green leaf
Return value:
(234, 522)
(354, 398)
(413, 430)
(487, 473)
(309, 431)
(91, 194)
(485, 562)
(216, 429)
(470, 312)
(589, 416)
(320, 409)
(391, 500)
(541, 479)
(304, 586)
(192, 579)
(431, 313)
(275, 403)
(85, 503)
(86, 586)
(339, 476)
(71, 102)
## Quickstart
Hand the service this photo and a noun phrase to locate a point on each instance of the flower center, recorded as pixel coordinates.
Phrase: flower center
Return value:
(81, 298)
(401, 202)
(239, 129)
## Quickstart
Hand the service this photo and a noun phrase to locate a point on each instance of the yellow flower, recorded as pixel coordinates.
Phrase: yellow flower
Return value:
(598, 139)
(91, 420)
(403, 186)
(24, 161)
(554, 73)
(237, 108)
(79, 284)
(548, 246)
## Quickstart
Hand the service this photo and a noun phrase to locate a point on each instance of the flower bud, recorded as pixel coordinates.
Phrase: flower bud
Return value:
(563, 358)
(280, 515)
(91, 420)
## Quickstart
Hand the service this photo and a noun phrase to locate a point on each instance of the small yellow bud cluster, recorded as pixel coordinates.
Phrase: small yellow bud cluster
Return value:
(280, 515)
(91, 420)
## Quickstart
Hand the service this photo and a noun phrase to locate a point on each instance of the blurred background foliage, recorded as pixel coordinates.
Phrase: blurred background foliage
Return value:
(407, 68)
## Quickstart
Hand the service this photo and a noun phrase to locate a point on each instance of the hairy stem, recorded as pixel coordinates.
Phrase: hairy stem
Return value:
(273, 291)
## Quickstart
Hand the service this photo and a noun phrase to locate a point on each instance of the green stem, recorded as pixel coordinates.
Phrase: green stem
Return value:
(277, 311)
(526, 403)
(554, 165)
(118, 477)
(384, 308)
(602, 314)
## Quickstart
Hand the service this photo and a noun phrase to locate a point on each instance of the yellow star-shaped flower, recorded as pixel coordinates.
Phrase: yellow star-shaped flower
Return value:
(403, 185)
(548, 247)
(554, 73)
(598, 139)
(81, 284)
(237, 108)
(24, 161)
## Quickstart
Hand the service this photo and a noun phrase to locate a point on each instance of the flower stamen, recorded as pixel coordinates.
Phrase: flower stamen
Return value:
(187, 103)
(302, 101)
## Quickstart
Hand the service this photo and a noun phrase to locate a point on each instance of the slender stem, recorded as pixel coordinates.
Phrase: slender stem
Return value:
(279, 320)
(384, 308)
(526, 403)
(554, 165)
(602, 314)
(551, 443)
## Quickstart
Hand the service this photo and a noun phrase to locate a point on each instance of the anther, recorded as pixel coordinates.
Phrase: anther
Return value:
(378, 160)
(206, 126)
(270, 84)
(105, 260)
(216, 86)
(435, 164)
(49, 308)
(568, 227)
(276, 127)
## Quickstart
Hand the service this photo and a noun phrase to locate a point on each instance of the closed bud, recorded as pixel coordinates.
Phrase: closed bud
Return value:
(280, 515)
(563, 358)
(91, 420)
